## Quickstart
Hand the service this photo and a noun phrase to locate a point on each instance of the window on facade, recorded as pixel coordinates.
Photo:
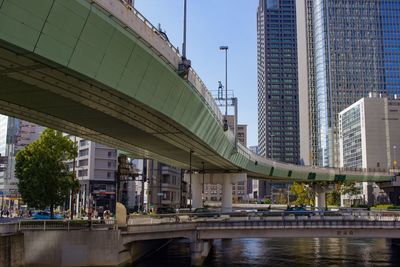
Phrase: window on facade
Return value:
(83, 162)
(111, 164)
(83, 142)
(83, 152)
(82, 173)
(165, 179)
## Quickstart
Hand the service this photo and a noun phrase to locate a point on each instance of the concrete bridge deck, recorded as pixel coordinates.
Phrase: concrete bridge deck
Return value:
(66, 243)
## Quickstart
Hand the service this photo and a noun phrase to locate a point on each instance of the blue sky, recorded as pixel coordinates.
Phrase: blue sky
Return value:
(211, 23)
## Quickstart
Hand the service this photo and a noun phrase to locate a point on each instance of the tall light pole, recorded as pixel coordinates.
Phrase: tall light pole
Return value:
(202, 196)
(184, 64)
(226, 77)
(394, 157)
(190, 178)
(184, 30)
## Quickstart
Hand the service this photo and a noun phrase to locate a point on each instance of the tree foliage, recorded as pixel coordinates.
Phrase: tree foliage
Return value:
(44, 177)
(350, 189)
(333, 198)
(303, 193)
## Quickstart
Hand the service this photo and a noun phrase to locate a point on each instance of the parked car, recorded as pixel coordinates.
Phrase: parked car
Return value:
(298, 210)
(165, 210)
(45, 215)
(204, 212)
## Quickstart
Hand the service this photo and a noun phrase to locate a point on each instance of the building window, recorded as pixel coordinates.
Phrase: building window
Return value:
(111, 164)
(83, 162)
(82, 173)
(83, 142)
(272, 4)
(83, 152)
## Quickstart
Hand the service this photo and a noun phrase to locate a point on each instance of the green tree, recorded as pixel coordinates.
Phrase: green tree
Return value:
(303, 193)
(44, 177)
(350, 189)
(333, 198)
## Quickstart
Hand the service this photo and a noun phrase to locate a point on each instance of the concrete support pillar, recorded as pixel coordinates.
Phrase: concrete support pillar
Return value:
(226, 193)
(197, 188)
(199, 251)
(320, 200)
(320, 194)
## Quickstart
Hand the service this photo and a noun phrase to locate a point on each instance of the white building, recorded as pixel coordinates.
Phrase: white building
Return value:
(95, 168)
(368, 139)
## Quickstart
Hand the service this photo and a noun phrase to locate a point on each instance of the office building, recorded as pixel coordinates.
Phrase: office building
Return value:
(95, 168)
(278, 109)
(165, 186)
(368, 140)
(352, 49)
(15, 134)
(278, 87)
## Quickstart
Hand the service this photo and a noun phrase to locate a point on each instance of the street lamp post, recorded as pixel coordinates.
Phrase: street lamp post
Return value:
(184, 64)
(190, 178)
(202, 193)
(184, 31)
(394, 157)
(226, 77)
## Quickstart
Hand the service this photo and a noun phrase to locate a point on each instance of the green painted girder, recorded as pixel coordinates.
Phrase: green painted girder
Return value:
(72, 66)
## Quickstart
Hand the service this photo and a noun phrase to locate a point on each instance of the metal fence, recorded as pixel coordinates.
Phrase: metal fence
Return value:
(68, 225)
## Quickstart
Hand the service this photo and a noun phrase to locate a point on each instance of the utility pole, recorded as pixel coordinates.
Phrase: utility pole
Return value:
(72, 191)
(202, 193)
(184, 31)
(184, 65)
(144, 177)
(190, 178)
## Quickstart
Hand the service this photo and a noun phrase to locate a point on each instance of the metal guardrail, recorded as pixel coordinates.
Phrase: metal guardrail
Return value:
(179, 218)
(46, 225)
(309, 223)
(278, 222)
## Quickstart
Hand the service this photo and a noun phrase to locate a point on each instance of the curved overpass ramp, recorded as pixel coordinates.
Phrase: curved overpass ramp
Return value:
(100, 70)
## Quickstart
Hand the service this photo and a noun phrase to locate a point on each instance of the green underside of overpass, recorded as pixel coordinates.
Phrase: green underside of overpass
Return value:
(128, 96)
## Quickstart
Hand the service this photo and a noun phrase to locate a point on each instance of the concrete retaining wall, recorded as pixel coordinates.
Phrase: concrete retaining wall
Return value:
(12, 250)
(75, 248)
(144, 248)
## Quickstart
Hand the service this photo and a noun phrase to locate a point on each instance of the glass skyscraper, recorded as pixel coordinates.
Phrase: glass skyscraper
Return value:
(278, 109)
(355, 50)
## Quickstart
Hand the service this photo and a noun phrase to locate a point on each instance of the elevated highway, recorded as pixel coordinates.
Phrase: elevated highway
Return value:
(98, 69)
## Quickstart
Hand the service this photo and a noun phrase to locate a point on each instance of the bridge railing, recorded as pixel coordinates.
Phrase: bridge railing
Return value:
(68, 225)
(301, 222)
(301, 168)
(308, 215)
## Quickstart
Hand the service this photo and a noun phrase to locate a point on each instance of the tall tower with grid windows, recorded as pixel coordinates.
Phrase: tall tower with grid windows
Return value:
(278, 103)
(278, 109)
(353, 48)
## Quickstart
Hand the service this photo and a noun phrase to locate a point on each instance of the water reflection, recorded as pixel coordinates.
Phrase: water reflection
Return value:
(285, 252)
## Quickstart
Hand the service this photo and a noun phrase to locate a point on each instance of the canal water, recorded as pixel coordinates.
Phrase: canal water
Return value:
(284, 252)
